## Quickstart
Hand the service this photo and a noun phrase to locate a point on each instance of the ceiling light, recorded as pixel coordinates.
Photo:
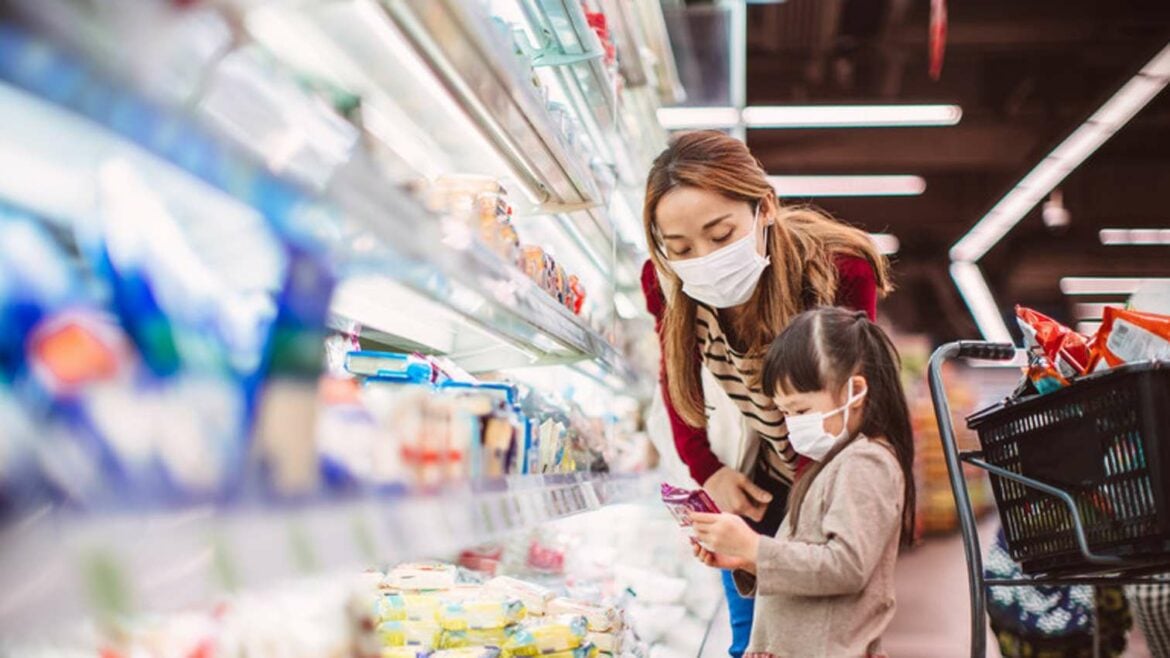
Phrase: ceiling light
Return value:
(850, 116)
(887, 243)
(825, 186)
(698, 118)
(1066, 157)
(1104, 285)
(1091, 310)
(1135, 236)
(973, 287)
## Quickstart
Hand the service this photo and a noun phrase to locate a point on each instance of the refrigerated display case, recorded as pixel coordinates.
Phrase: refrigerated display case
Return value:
(241, 195)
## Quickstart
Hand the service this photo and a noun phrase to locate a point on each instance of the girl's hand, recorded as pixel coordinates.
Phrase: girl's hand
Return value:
(726, 534)
(733, 492)
(718, 561)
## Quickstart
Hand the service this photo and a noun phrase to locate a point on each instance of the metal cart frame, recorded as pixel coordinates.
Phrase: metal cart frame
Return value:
(1112, 569)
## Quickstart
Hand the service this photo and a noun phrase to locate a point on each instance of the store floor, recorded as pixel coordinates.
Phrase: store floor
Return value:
(933, 609)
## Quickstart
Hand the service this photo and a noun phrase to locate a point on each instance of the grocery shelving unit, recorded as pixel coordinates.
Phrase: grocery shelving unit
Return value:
(459, 100)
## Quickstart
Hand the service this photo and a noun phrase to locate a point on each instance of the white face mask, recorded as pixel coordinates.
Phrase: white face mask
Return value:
(807, 434)
(726, 277)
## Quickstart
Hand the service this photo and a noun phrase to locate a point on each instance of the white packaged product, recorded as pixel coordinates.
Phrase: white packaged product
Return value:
(601, 618)
(535, 597)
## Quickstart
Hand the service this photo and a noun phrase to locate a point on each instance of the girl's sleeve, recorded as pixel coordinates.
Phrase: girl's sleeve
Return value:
(863, 513)
(856, 285)
(691, 442)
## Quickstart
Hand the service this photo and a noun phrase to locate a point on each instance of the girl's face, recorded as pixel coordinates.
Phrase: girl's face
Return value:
(824, 401)
(693, 223)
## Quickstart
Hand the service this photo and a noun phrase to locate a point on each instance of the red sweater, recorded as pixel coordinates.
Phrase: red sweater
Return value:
(856, 289)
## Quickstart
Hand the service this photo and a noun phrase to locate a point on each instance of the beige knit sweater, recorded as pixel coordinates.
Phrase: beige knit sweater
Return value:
(829, 590)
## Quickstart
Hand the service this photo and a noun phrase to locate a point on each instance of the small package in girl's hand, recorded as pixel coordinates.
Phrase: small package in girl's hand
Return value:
(681, 501)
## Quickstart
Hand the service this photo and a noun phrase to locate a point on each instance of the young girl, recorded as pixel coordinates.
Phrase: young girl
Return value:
(824, 586)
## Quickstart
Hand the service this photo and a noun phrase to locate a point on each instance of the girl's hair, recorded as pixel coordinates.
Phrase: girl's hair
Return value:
(820, 350)
(802, 244)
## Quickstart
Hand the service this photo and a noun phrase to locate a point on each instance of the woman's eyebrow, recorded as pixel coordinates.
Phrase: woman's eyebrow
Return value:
(706, 226)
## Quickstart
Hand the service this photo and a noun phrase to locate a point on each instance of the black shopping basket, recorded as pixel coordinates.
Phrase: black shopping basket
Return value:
(1081, 477)
(1105, 441)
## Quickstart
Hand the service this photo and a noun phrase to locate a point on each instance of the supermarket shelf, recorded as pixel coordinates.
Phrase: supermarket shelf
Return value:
(58, 565)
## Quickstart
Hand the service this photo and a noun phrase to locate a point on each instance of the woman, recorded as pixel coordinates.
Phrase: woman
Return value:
(729, 268)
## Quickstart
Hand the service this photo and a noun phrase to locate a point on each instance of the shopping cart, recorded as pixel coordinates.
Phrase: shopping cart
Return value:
(1081, 478)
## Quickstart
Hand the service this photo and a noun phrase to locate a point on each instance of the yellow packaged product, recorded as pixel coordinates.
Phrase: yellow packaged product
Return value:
(601, 618)
(544, 635)
(392, 634)
(484, 612)
(423, 634)
(404, 652)
(389, 606)
(583, 651)
(422, 605)
(469, 652)
(494, 637)
(610, 643)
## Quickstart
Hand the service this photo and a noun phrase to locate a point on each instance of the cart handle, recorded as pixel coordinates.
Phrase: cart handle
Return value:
(1078, 526)
(977, 349)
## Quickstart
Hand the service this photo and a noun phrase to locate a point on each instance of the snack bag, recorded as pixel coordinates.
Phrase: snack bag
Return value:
(584, 651)
(422, 606)
(1066, 350)
(681, 501)
(421, 634)
(1130, 337)
(1045, 378)
(421, 576)
(599, 618)
(485, 612)
(392, 634)
(548, 635)
(534, 597)
(494, 637)
(390, 607)
(404, 652)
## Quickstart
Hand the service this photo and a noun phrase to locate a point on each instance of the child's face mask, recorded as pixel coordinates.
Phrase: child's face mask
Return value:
(807, 433)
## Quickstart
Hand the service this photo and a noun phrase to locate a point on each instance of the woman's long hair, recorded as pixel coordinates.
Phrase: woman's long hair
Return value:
(803, 244)
(820, 350)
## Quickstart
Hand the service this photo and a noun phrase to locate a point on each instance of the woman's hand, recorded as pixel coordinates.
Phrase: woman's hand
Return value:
(726, 535)
(733, 492)
(718, 561)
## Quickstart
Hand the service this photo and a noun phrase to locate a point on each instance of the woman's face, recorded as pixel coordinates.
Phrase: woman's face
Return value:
(693, 223)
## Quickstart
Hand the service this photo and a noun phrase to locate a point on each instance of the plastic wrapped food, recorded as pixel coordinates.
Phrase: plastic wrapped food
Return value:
(1065, 349)
(468, 652)
(392, 634)
(421, 576)
(534, 597)
(494, 637)
(421, 633)
(682, 501)
(1131, 337)
(485, 612)
(546, 635)
(404, 652)
(605, 642)
(583, 651)
(600, 618)
(389, 607)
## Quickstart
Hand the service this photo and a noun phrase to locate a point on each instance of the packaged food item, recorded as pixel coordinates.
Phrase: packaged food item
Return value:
(484, 612)
(534, 597)
(1129, 336)
(392, 634)
(484, 559)
(1065, 349)
(537, 636)
(405, 652)
(422, 576)
(583, 651)
(421, 633)
(610, 643)
(492, 637)
(390, 607)
(469, 652)
(600, 618)
(1044, 377)
(681, 502)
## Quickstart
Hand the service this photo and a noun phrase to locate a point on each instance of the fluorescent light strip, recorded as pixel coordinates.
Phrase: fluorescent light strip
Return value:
(698, 118)
(1066, 157)
(850, 116)
(1091, 310)
(887, 243)
(1135, 236)
(1104, 285)
(973, 287)
(1088, 328)
(825, 186)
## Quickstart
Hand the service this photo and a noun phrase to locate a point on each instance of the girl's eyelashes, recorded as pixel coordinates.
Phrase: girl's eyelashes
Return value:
(724, 237)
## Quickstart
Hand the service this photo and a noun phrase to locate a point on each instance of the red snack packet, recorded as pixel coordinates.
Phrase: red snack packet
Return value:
(1130, 337)
(681, 501)
(1065, 349)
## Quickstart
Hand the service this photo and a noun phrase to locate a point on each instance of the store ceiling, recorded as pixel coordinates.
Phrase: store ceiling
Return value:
(1026, 74)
